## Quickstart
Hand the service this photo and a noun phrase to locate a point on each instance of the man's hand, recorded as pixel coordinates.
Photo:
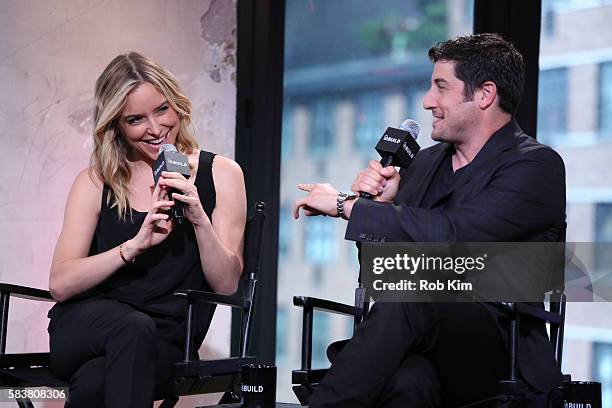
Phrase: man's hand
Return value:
(381, 183)
(321, 200)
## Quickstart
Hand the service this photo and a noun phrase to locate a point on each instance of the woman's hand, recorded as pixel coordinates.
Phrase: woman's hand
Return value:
(155, 228)
(188, 196)
(73, 270)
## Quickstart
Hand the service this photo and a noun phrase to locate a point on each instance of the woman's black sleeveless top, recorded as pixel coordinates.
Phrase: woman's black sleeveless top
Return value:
(149, 283)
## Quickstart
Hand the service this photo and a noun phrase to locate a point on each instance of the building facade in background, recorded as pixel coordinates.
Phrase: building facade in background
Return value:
(352, 68)
(575, 118)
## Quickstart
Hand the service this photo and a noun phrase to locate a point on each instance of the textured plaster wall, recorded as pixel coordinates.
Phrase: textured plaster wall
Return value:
(51, 53)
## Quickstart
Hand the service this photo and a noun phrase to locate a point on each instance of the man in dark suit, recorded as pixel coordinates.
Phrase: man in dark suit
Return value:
(485, 181)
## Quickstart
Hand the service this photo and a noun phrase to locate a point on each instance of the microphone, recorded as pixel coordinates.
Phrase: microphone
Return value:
(170, 159)
(398, 147)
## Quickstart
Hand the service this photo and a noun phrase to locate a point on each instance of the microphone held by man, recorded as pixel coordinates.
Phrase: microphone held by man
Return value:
(398, 146)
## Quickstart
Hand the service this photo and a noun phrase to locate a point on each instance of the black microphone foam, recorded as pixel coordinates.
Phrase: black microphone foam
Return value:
(398, 147)
(170, 159)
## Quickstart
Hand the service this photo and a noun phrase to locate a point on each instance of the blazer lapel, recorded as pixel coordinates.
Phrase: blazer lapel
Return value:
(412, 194)
(501, 141)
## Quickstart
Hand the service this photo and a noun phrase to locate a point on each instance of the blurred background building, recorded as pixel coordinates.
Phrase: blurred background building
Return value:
(352, 68)
(575, 117)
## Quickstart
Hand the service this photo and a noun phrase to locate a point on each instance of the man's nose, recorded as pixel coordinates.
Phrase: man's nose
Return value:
(429, 101)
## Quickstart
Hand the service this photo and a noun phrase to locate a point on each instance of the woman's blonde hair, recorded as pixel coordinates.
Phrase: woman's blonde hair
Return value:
(109, 157)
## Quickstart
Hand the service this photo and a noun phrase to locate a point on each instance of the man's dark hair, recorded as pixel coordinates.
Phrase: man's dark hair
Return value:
(485, 57)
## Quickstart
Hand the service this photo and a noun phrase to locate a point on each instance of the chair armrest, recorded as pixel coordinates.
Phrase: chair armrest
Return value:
(327, 305)
(528, 310)
(308, 377)
(209, 297)
(6, 291)
(24, 360)
(309, 304)
(193, 296)
(538, 313)
(26, 292)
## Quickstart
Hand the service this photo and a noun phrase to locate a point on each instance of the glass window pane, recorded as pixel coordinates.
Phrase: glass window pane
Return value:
(320, 340)
(369, 120)
(282, 335)
(319, 241)
(352, 68)
(574, 116)
(602, 367)
(605, 102)
(603, 233)
(321, 141)
(287, 131)
(552, 105)
(285, 229)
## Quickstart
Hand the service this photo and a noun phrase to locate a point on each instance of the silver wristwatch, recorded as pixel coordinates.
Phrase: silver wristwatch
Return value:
(341, 199)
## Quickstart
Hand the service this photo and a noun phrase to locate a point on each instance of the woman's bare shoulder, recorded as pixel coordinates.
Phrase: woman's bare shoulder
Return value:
(87, 189)
(226, 167)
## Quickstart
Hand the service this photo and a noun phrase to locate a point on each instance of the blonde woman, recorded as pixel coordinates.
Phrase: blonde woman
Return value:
(119, 258)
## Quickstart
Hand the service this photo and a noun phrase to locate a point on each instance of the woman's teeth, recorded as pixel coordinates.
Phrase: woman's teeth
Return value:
(157, 141)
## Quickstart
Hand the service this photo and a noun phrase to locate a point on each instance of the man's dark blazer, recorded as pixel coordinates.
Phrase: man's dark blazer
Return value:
(513, 191)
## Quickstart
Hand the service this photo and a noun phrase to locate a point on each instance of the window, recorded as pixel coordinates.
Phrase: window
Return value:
(321, 135)
(552, 105)
(603, 223)
(282, 334)
(605, 100)
(287, 131)
(320, 340)
(320, 241)
(369, 121)
(549, 14)
(574, 116)
(350, 67)
(285, 228)
(602, 370)
(603, 233)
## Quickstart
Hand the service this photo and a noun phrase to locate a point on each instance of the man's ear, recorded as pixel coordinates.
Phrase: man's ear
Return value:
(488, 94)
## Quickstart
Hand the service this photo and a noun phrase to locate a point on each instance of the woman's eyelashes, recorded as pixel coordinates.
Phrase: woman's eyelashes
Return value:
(134, 120)
(137, 119)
